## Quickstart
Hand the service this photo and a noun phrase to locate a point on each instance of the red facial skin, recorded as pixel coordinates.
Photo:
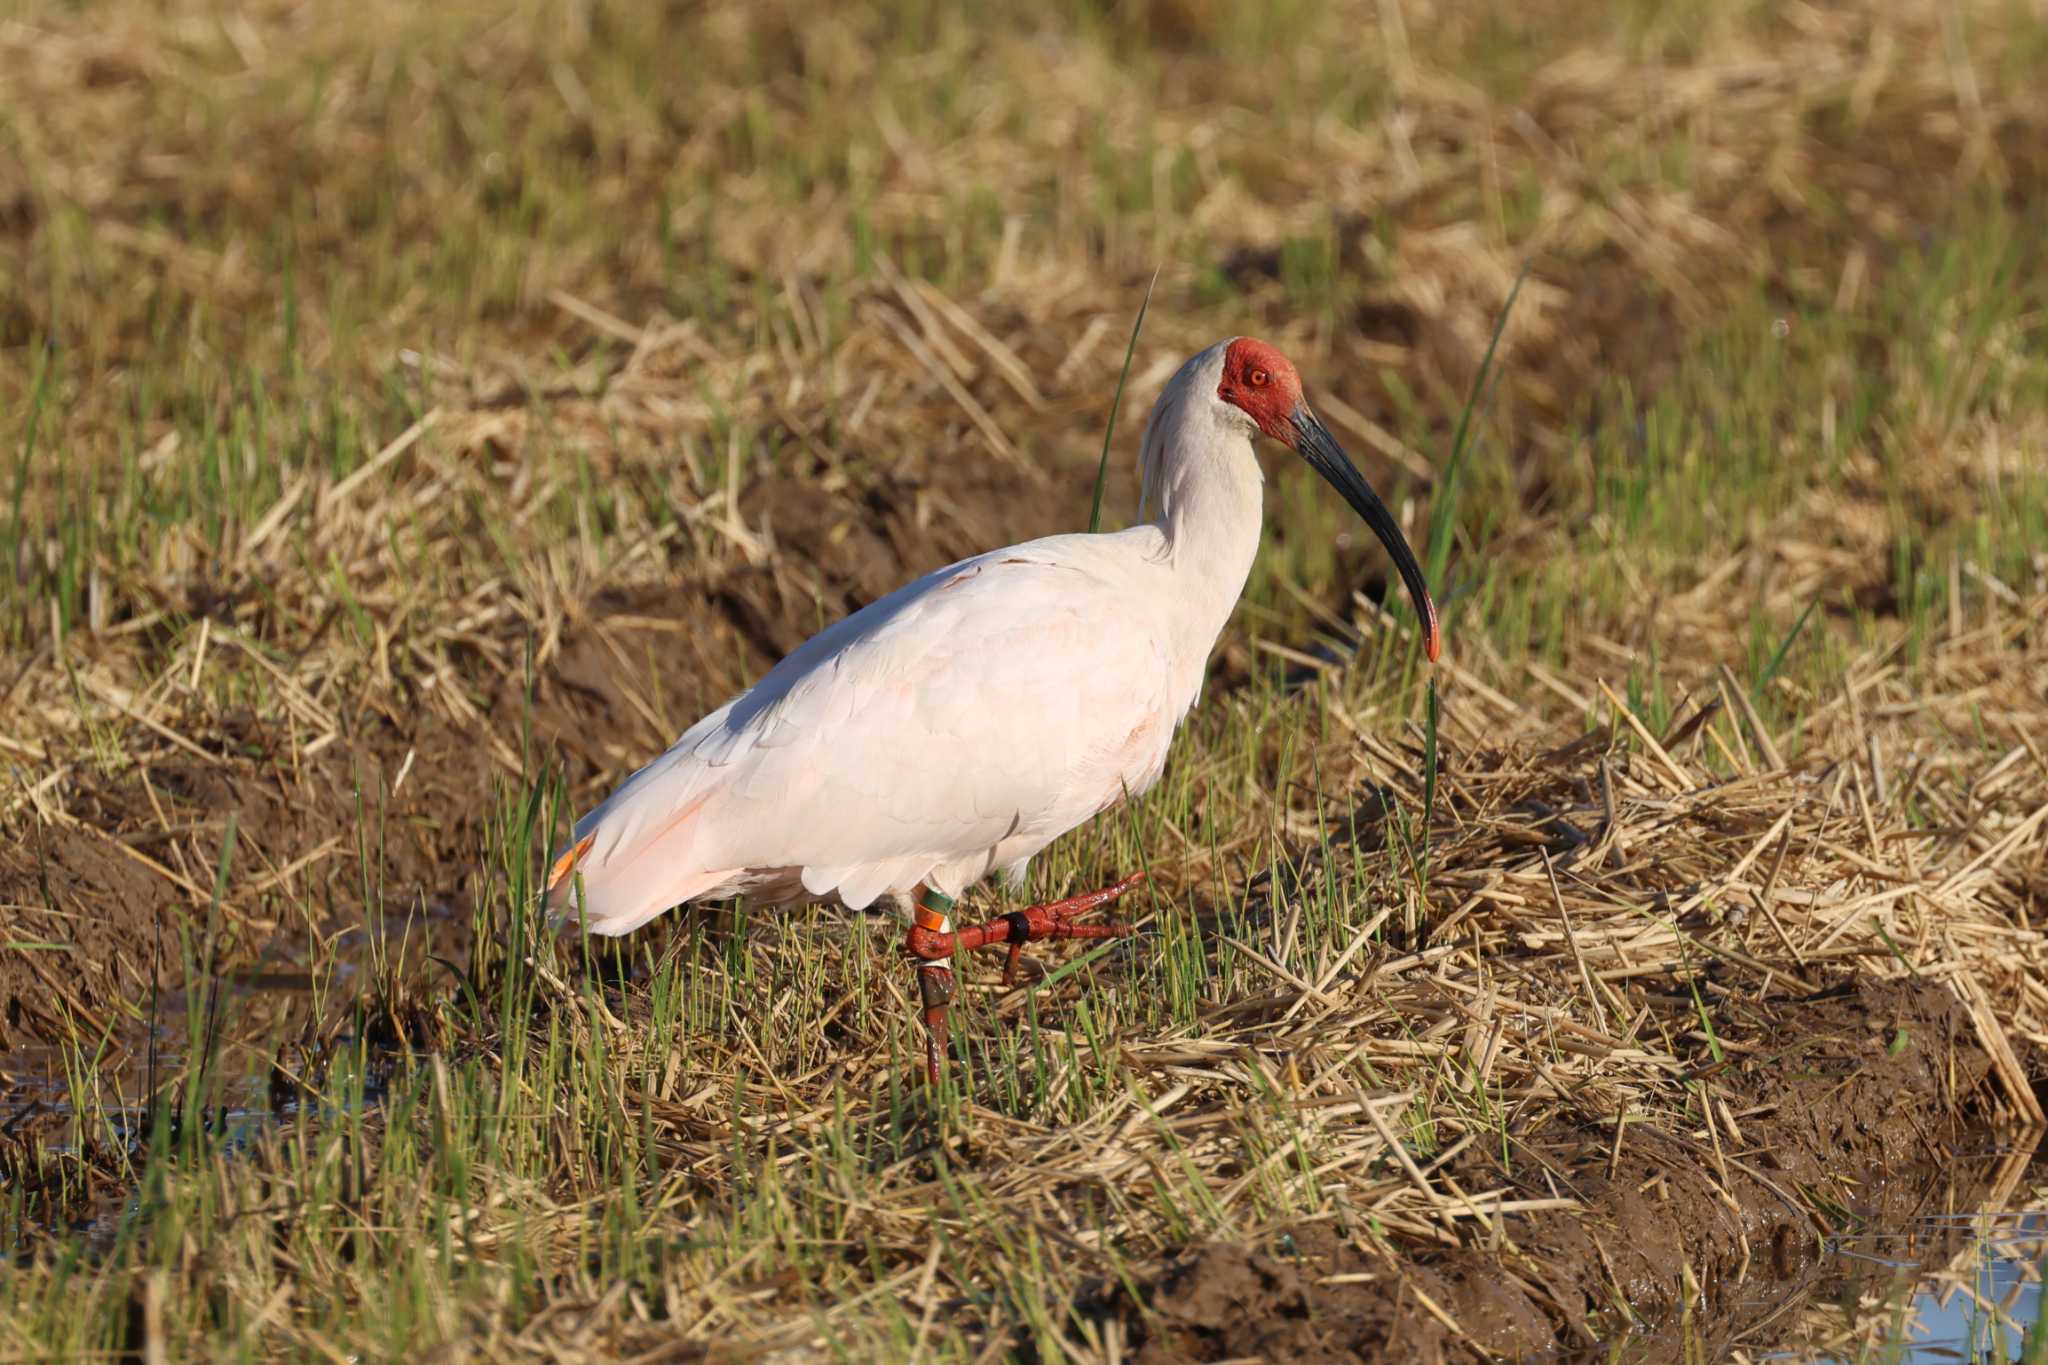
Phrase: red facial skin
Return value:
(1260, 380)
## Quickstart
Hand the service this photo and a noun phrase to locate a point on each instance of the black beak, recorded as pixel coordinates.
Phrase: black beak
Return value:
(1315, 444)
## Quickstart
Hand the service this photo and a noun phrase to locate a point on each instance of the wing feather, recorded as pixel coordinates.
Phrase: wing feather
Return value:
(995, 700)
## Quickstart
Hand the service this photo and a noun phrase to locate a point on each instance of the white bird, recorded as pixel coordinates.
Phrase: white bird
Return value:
(968, 719)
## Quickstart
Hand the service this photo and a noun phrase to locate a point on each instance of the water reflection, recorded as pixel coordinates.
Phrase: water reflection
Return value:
(1949, 1272)
(1933, 1265)
(1983, 1310)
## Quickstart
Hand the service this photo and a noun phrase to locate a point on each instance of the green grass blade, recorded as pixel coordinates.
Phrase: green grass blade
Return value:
(1444, 506)
(1699, 1005)
(38, 398)
(1429, 771)
(1784, 648)
(1115, 404)
(1500, 325)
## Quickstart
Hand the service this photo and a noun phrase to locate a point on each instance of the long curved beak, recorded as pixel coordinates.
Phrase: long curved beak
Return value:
(1314, 443)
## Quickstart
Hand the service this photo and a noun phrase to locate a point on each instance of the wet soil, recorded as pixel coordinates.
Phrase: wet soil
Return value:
(123, 889)
(1877, 1080)
(395, 814)
(1869, 1078)
(1663, 1214)
(1837, 1091)
(637, 665)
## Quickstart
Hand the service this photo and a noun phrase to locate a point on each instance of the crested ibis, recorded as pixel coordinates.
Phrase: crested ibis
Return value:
(963, 722)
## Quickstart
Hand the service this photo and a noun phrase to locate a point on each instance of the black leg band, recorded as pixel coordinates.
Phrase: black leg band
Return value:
(1020, 927)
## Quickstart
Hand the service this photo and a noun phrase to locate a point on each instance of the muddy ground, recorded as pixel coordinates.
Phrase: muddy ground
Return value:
(1825, 1098)
(1845, 1107)
(114, 874)
(137, 859)
(1826, 1094)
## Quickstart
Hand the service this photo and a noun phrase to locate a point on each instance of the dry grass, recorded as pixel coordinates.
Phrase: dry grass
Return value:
(425, 414)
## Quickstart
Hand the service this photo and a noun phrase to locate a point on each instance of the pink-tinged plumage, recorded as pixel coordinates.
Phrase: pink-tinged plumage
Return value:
(965, 721)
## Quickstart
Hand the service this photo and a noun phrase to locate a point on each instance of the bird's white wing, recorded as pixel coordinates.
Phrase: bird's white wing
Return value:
(1008, 696)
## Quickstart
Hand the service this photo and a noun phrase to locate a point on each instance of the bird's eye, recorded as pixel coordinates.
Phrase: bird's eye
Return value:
(1258, 378)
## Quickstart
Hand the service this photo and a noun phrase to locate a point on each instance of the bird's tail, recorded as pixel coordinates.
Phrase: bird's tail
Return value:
(613, 880)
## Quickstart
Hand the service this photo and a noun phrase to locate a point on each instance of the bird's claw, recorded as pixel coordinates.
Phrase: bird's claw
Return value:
(931, 948)
(1053, 919)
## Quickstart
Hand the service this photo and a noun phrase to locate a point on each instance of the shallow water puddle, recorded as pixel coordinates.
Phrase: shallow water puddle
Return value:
(1940, 1283)
(1928, 1266)
(1977, 1305)
(259, 1012)
(1983, 1308)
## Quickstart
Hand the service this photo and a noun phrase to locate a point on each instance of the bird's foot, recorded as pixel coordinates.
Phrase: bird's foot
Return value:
(1051, 920)
(1055, 919)
(931, 945)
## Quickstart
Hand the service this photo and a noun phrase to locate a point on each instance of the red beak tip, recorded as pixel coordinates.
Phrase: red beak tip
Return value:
(1434, 645)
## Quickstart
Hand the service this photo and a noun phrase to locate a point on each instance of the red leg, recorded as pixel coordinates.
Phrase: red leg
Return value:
(933, 941)
(935, 987)
(1054, 919)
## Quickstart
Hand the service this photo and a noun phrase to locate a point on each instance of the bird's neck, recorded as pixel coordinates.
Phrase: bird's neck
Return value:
(1210, 502)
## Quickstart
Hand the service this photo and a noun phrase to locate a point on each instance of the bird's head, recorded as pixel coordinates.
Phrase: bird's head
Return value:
(1262, 386)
